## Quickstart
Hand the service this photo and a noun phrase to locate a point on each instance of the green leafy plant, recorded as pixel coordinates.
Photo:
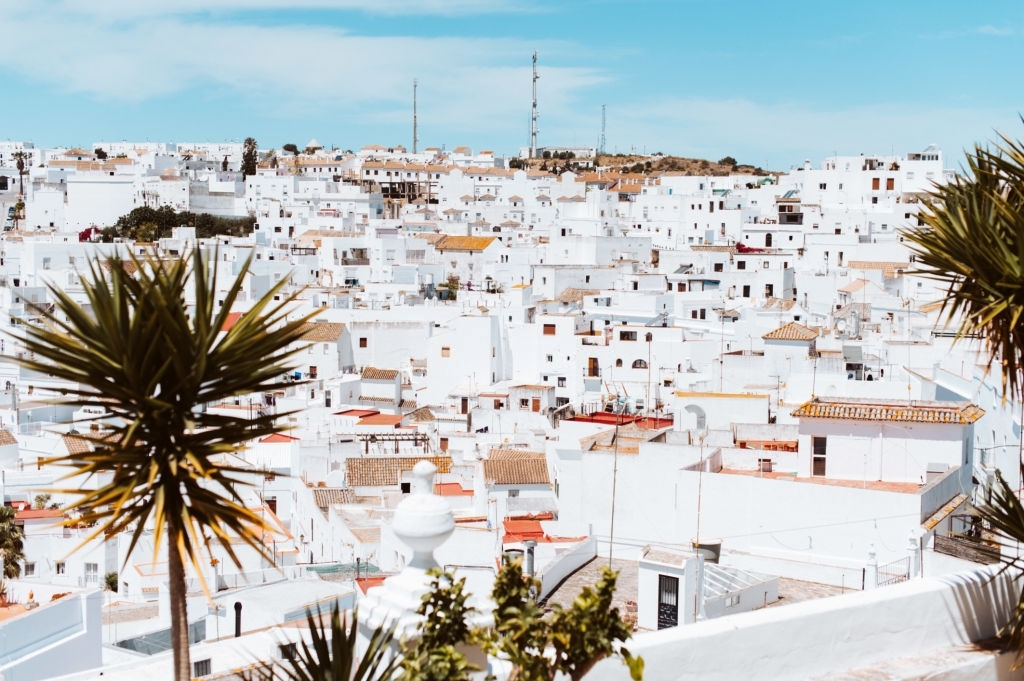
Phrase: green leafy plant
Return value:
(435, 654)
(542, 646)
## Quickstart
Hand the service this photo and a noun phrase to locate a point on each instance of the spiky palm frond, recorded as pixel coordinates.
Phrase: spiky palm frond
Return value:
(332, 653)
(149, 343)
(971, 240)
(1004, 516)
(12, 547)
(155, 361)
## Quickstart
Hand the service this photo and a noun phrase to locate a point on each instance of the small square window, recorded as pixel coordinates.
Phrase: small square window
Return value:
(363, 342)
(29, 570)
(60, 566)
(446, 351)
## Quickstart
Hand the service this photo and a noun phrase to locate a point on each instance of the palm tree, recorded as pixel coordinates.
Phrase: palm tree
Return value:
(21, 158)
(154, 359)
(971, 241)
(12, 549)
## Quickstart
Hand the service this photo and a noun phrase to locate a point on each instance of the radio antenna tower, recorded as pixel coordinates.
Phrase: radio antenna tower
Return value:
(415, 137)
(600, 147)
(533, 120)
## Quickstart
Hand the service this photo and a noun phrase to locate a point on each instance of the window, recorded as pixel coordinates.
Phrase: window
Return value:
(639, 364)
(627, 335)
(287, 650)
(875, 183)
(618, 362)
(718, 267)
(363, 342)
(202, 667)
(818, 447)
(703, 313)
(549, 329)
(668, 601)
(741, 264)
(561, 381)
(890, 183)
(550, 358)
(92, 573)
(446, 351)
(29, 570)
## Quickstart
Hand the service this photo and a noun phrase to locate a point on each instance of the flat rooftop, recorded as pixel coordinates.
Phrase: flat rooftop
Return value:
(877, 485)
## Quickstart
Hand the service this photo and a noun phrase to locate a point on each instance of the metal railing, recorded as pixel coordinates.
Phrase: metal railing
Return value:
(895, 572)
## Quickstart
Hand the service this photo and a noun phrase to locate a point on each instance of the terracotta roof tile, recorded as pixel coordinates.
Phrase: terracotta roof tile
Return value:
(375, 374)
(791, 332)
(962, 413)
(382, 471)
(889, 269)
(463, 243)
(7, 438)
(322, 332)
(325, 497)
(516, 467)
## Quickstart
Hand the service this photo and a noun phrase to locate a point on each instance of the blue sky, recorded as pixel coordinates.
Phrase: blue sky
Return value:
(769, 83)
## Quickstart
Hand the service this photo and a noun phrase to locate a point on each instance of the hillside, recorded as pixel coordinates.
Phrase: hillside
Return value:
(656, 163)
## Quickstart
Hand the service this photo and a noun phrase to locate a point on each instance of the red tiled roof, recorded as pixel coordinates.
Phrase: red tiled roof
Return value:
(231, 320)
(375, 374)
(962, 413)
(516, 467)
(322, 332)
(464, 243)
(37, 513)
(381, 420)
(279, 438)
(792, 332)
(451, 489)
(379, 471)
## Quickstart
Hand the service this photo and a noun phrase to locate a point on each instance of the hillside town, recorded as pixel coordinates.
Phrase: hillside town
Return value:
(733, 387)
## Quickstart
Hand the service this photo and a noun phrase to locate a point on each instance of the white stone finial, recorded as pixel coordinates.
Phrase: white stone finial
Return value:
(423, 520)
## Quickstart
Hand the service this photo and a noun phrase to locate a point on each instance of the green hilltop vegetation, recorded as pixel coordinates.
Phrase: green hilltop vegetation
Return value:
(150, 224)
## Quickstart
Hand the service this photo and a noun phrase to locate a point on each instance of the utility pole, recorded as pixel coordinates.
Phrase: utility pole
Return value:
(533, 119)
(415, 137)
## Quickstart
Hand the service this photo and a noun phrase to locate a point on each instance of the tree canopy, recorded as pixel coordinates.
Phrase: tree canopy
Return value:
(148, 224)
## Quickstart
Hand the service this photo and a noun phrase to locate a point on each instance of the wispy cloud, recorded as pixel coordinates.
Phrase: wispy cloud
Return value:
(995, 30)
(129, 9)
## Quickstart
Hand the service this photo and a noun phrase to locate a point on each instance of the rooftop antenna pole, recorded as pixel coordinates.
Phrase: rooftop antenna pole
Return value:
(415, 137)
(533, 118)
(600, 148)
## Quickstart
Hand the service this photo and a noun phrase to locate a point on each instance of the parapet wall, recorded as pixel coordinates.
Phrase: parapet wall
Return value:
(923, 618)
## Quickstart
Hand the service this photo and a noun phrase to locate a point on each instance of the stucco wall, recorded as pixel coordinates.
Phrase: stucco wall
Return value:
(830, 635)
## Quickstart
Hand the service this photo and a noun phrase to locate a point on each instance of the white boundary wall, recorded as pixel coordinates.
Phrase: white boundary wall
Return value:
(925, 618)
